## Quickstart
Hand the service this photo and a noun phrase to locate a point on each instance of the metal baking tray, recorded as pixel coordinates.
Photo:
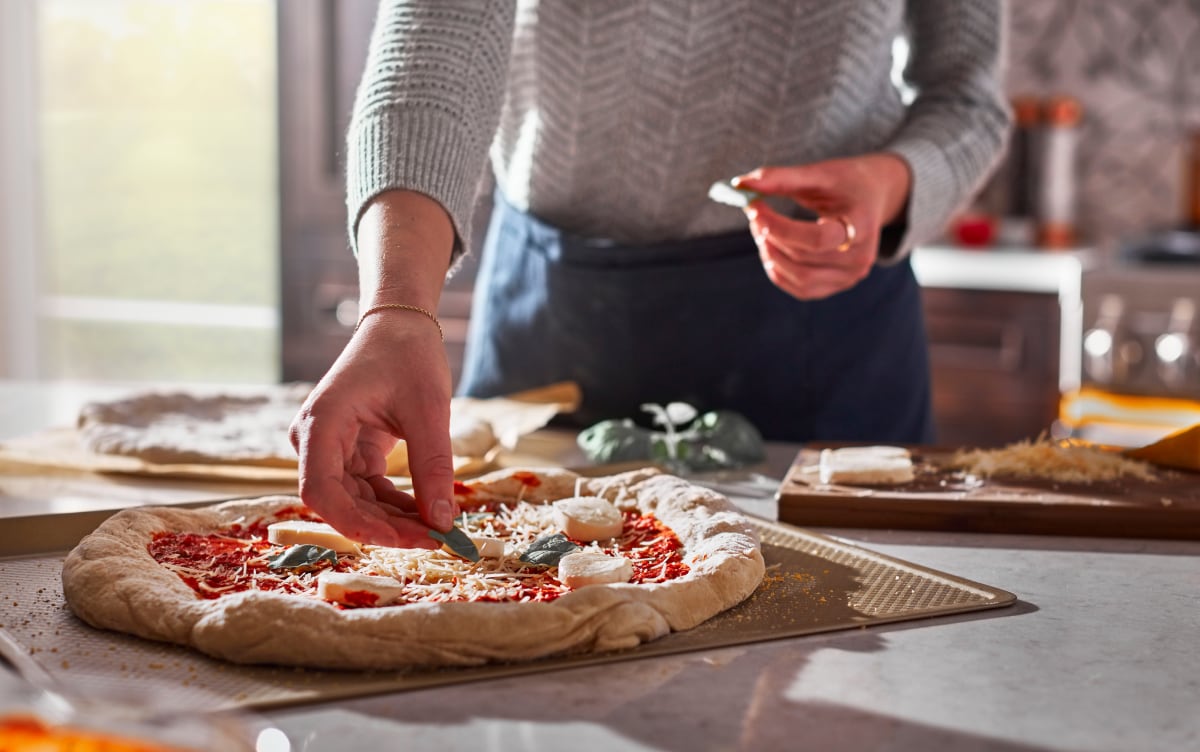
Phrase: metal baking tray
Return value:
(813, 584)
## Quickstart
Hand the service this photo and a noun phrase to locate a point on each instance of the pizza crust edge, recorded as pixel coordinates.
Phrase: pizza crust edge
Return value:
(721, 549)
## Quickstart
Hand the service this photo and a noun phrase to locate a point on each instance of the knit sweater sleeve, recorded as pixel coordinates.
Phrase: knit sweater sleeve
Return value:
(428, 104)
(958, 123)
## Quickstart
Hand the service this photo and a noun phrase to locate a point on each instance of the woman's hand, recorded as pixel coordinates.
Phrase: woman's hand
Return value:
(854, 198)
(392, 381)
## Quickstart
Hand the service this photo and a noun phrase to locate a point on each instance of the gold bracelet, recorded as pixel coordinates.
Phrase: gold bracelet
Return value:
(401, 307)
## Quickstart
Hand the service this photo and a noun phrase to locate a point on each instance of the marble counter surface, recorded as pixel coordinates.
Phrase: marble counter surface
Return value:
(1099, 653)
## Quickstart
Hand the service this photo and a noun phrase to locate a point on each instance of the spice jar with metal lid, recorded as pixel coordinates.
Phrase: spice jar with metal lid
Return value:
(1055, 201)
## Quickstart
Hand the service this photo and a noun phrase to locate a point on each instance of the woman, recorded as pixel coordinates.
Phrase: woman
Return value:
(605, 123)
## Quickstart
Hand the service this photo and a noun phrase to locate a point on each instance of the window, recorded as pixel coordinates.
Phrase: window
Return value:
(139, 204)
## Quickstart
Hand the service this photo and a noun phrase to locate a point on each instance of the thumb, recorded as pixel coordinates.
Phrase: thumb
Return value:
(787, 179)
(431, 463)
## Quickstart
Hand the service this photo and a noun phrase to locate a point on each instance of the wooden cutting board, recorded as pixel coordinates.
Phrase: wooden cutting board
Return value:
(942, 499)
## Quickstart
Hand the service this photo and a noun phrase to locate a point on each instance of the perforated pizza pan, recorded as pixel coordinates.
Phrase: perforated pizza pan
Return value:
(813, 584)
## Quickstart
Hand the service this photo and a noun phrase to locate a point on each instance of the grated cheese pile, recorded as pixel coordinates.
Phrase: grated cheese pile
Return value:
(1068, 461)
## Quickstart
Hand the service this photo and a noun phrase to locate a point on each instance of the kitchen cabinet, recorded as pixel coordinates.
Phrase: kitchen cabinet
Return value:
(322, 50)
(994, 359)
(1004, 333)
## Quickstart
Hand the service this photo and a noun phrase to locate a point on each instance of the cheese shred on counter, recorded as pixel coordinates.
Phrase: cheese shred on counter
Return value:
(1067, 461)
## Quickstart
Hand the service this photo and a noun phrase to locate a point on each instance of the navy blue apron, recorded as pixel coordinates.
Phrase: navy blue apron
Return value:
(696, 321)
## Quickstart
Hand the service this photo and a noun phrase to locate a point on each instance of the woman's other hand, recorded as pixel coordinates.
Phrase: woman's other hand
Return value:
(854, 199)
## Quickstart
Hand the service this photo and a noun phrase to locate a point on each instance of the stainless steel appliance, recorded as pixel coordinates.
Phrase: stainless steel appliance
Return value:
(1141, 343)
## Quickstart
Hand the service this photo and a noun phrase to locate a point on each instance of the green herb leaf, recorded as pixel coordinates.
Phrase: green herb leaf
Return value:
(680, 412)
(660, 414)
(303, 557)
(548, 550)
(458, 542)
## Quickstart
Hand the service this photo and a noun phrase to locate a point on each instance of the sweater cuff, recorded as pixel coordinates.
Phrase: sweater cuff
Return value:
(418, 150)
(934, 197)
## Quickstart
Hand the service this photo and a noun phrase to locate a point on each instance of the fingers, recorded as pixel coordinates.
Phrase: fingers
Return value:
(854, 196)
(363, 518)
(799, 238)
(803, 281)
(814, 178)
(431, 464)
(345, 500)
(396, 501)
(799, 256)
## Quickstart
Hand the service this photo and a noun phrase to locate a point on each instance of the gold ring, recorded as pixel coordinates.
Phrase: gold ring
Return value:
(848, 226)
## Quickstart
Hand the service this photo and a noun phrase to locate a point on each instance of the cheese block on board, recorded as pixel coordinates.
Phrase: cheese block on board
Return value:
(869, 465)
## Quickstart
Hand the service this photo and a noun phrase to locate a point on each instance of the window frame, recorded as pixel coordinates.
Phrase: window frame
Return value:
(26, 307)
(20, 205)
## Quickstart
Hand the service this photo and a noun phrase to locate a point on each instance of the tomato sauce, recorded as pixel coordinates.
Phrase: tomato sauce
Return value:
(527, 479)
(236, 560)
(360, 598)
(655, 549)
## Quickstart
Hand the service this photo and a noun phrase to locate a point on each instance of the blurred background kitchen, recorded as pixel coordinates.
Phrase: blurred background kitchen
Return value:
(171, 210)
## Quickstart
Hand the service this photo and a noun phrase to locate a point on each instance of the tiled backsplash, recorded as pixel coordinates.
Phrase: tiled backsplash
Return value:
(1135, 67)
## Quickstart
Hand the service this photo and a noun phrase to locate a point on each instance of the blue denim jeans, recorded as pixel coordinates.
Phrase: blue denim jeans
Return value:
(696, 321)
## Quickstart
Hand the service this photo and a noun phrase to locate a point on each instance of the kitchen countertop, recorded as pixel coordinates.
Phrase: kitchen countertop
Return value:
(1099, 653)
(1000, 268)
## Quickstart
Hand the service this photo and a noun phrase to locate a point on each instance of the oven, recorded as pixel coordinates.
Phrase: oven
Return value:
(1140, 350)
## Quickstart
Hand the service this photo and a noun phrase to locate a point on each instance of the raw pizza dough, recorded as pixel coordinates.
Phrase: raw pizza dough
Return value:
(470, 437)
(111, 581)
(173, 428)
(180, 428)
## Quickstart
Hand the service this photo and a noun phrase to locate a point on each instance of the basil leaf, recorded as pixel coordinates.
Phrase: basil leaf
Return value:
(458, 541)
(615, 441)
(303, 557)
(680, 412)
(548, 550)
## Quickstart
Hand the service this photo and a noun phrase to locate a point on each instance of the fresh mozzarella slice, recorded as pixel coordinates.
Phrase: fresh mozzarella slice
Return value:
(356, 589)
(292, 532)
(588, 518)
(489, 548)
(584, 568)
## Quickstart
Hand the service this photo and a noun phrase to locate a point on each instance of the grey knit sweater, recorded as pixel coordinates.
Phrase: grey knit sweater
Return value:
(611, 118)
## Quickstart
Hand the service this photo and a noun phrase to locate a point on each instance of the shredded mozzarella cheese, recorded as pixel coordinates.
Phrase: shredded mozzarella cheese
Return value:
(1066, 461)
(438, 575)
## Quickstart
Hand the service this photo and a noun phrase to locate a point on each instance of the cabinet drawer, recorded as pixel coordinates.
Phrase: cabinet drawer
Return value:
(994, 359)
